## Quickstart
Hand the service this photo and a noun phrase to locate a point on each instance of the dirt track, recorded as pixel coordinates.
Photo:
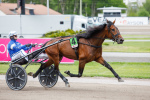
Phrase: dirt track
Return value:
(78, 91)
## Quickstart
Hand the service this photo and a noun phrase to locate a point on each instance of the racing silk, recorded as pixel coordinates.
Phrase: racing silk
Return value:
(14, 46)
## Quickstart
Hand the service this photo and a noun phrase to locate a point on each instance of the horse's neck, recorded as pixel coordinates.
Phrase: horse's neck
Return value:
(98, 39)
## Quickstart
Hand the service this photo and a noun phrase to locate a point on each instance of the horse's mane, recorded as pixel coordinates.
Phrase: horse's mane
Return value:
(91, 31)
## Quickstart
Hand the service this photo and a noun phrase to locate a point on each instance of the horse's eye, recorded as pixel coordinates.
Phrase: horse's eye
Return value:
(113, 29)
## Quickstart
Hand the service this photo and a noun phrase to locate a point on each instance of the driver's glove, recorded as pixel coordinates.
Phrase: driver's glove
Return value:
(33, 45)
(28, 45)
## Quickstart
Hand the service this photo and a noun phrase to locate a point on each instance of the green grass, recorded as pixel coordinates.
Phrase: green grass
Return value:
(127, 47)
(93, 69)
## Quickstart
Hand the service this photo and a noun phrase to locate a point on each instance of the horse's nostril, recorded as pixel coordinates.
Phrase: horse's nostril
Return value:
(121, 40)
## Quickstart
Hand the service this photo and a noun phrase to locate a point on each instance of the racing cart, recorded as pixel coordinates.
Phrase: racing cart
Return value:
(16, 76)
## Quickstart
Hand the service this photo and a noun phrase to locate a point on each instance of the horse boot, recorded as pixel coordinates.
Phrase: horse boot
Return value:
(64, 79)
(38, 71)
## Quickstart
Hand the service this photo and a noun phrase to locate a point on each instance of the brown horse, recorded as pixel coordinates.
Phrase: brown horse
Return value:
(89, 49)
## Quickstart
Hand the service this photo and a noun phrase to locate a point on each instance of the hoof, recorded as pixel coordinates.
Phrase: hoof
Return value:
(34, 76)
(120, 80)
(67, 85)
(30, 73)
(67, 72)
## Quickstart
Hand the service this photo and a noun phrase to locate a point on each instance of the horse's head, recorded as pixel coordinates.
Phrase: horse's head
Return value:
(113, 32)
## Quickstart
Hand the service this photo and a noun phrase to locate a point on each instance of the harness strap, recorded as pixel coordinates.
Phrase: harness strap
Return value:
(76, 52)
(76, 49)
(91, 45)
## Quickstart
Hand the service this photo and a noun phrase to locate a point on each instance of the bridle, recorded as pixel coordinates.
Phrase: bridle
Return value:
(109, 31)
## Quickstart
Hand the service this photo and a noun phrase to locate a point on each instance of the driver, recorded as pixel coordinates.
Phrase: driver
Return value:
(16, 49)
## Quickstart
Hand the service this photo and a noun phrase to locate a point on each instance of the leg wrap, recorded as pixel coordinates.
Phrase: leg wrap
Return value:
(107, 65)
(111, 69)
(62, 77)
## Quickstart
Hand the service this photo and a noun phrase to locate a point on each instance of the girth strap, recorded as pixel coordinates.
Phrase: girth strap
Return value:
(76, 52)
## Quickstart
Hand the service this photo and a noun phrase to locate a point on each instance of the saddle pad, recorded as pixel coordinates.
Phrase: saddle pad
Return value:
(74, 42)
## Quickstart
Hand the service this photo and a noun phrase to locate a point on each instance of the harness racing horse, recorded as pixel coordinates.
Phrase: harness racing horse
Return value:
(89, 49)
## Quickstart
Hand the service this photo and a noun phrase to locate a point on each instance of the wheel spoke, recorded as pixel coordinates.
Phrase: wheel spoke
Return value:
(53, 78)
(19, 72)
(50, 72)
(42, 75)
(44, 72)
(15, 84)
(21, 79)
(46, 81)
(13, 72)
(11, 79)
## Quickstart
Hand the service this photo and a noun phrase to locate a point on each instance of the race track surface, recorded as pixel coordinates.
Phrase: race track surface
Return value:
(81, 89)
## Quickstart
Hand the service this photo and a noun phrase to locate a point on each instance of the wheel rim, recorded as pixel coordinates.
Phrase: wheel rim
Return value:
(16, 77)
(48, 77)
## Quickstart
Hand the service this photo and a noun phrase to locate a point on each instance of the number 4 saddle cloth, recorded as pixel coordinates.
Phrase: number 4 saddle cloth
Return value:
(74, 45)
(74, 42)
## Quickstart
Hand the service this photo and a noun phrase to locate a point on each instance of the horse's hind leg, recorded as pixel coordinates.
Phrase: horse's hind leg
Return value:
(56, 63)
(104, 63)
(44, 65)
(80, 72)
(64, 79)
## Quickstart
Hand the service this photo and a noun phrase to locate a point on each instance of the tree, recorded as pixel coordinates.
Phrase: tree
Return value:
(132, 11)
(92, 5)
(89, 7)
(146, 5)
(142, 12)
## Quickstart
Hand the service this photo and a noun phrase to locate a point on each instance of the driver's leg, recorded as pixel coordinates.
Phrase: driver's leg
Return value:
(42, 56)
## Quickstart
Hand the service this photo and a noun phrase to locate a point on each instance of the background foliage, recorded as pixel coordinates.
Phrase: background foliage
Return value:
(59, 33)
(139, 11)
(89, 7)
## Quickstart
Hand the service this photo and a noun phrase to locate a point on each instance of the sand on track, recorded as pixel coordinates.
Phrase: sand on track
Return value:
(78, 91)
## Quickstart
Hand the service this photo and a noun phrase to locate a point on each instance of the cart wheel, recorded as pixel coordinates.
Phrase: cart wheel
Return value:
(16, 77)
(48, 77)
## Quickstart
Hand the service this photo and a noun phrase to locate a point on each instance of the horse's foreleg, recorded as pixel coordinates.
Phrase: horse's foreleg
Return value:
(104, 63)
(80, 72)
(44, 65)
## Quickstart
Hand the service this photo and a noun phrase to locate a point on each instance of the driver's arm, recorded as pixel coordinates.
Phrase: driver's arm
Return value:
(19, 47)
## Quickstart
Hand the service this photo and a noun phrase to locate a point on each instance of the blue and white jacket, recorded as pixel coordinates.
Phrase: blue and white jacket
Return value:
(14, 46)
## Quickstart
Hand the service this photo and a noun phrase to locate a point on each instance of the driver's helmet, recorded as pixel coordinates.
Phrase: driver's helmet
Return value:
(11, 33)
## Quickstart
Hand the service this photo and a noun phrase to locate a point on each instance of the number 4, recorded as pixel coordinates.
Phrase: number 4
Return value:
(73, 41)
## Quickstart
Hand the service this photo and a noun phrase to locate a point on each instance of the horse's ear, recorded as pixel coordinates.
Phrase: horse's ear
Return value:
(107, 21)
(114, 21)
